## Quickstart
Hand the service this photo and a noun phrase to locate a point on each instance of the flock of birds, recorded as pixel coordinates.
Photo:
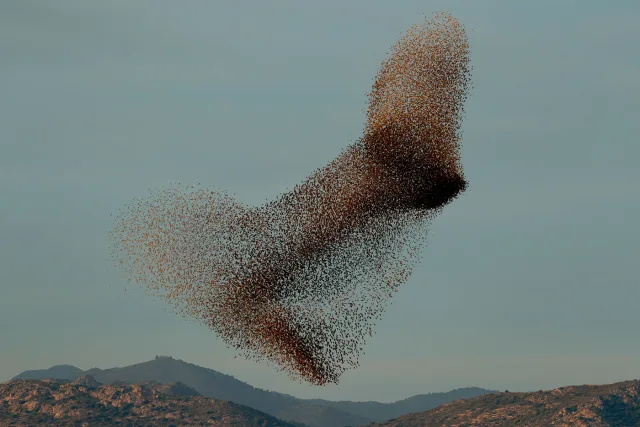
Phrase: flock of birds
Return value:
(301, 280)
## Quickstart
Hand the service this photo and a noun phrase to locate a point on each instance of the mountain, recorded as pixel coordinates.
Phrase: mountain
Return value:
(63, 372)
(384, 411)
(612, 405)
(213, 384)
(87, 402)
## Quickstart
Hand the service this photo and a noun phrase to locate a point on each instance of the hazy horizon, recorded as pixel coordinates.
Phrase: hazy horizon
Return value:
(530, 279)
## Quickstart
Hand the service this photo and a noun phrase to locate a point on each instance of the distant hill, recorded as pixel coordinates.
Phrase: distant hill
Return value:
(213, 384)
(383, 411)
(612, 405)
(63, 372)
(86, 402)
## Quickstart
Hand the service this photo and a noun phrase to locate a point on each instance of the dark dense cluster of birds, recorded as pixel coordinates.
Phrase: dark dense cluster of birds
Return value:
(301, 280)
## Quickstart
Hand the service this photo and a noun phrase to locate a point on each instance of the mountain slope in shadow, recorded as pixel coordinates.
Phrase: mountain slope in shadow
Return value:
(384, 411)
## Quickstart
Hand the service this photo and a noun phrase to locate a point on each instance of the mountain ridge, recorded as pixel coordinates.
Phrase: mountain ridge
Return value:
(214, 384)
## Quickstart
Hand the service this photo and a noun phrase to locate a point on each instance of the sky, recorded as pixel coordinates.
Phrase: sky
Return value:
(530, 279)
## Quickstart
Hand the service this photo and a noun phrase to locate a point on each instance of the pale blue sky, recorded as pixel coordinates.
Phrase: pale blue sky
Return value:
(530, 280)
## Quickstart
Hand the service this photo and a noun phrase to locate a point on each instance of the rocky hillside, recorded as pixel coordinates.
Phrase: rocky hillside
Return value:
(210, 383)
(612, 405)
(88, 403)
